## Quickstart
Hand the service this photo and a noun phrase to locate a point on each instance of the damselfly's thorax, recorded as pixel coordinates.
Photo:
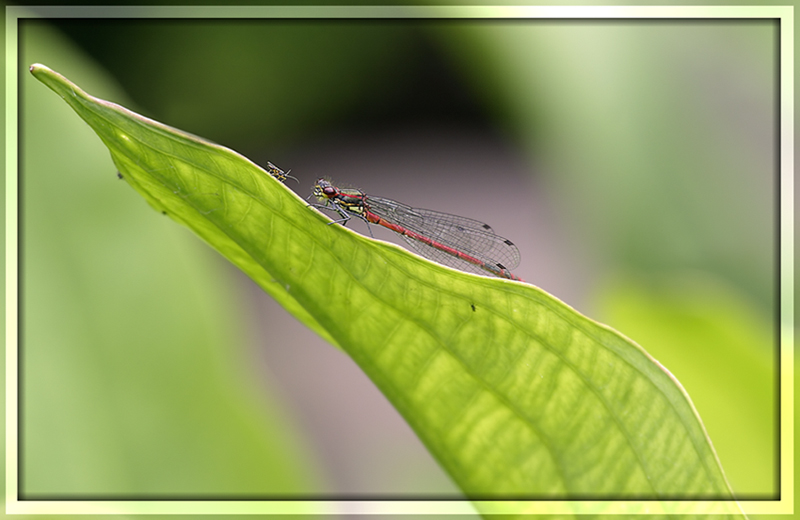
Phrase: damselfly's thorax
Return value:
(349, 199)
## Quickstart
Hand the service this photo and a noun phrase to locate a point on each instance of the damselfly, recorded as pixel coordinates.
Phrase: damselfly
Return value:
(459, 242)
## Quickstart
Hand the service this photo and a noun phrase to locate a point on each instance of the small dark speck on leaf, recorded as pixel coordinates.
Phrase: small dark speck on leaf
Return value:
(473, 306)
(119, 175)
(163, 212)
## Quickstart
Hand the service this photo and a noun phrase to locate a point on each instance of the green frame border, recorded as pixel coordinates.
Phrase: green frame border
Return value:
(785, 505)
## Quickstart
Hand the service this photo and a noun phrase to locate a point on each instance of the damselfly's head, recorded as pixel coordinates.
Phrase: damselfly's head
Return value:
(324, 190)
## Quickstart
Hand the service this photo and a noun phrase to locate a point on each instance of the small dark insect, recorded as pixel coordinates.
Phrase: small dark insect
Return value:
(280, 174)
(119, 175)
(473, 306)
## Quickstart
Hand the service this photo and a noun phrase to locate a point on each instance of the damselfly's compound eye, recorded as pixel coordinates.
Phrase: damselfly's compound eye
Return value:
(329, 191)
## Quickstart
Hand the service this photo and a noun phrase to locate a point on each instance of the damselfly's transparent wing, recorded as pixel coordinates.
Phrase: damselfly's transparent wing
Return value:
(466, 235)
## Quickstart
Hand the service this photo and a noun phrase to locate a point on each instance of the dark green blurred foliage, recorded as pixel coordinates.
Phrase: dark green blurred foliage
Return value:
(272, 83)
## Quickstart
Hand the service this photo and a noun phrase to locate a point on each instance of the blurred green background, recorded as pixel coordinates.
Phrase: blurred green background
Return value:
(633, 162)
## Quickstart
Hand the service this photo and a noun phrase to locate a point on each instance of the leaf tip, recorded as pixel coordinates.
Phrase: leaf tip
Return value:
(56, 82)
(44, 73)
(37, 67)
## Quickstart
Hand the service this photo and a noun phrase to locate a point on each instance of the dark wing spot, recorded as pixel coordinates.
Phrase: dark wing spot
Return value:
(501, 266)
(487, 226)
(509, 242)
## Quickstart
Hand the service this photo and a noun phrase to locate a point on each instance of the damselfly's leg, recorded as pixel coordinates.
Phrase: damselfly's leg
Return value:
(345, 216)
(362, 217)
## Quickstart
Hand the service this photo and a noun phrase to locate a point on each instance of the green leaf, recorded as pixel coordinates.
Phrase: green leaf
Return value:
(515, 393)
